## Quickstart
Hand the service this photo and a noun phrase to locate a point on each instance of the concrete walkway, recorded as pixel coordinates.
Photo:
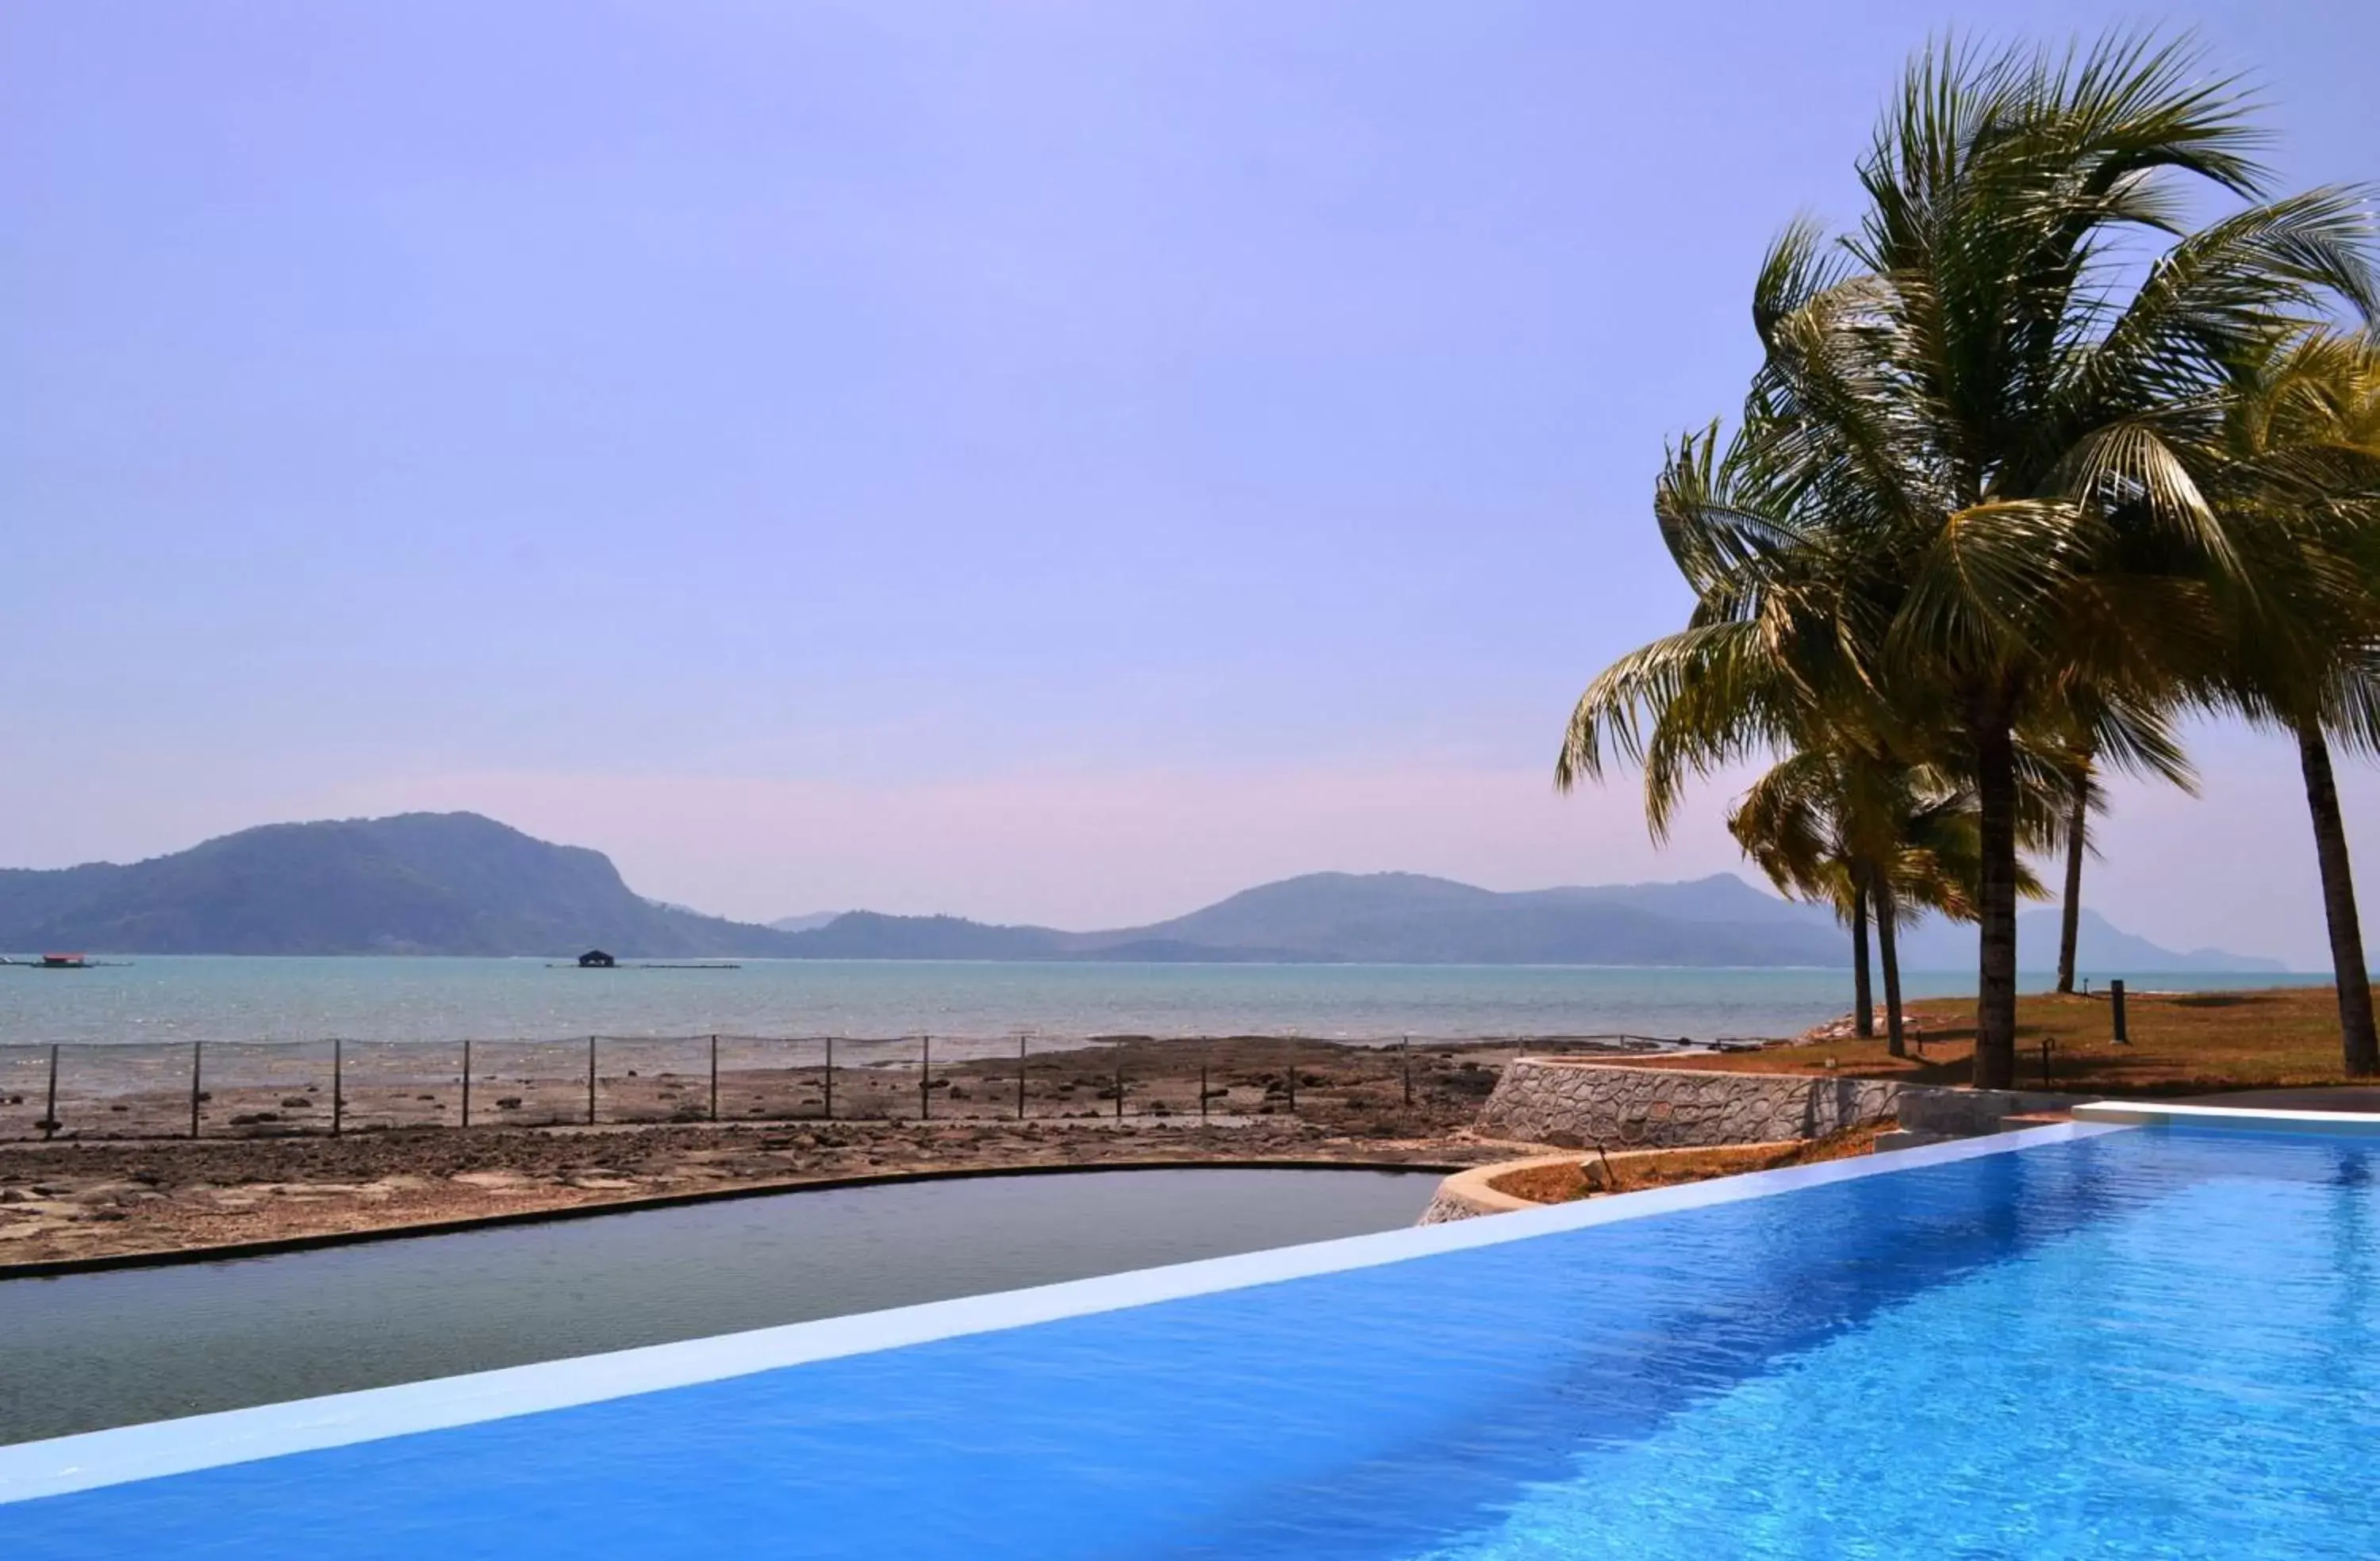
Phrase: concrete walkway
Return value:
(2332, 1097)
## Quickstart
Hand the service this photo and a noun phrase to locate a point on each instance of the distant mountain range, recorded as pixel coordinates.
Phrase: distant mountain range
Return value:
(2100, 947)
(420, 883)
(458, 883)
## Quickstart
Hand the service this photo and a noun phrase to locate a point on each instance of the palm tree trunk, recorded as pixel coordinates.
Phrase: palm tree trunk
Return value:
(2070, 927)
(1888, 948)
(1863, 997)
(2360, 1043)
(1995, 796)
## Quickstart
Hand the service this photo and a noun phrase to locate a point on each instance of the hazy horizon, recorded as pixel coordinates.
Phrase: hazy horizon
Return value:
(1055, 465)
(2032, 911)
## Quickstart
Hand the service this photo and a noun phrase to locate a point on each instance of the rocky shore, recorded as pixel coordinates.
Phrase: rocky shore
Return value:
(245, 1092)
(96, 1198)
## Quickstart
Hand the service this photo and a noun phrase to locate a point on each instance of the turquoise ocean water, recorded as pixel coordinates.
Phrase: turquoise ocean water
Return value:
(225, 998)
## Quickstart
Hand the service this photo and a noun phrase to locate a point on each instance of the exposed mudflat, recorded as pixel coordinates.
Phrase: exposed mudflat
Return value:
(66, 1201)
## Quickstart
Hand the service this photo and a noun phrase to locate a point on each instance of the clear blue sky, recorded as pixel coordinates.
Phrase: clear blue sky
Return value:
(1047, 461)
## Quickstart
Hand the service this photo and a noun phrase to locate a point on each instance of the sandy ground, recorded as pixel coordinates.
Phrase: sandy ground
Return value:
(82, 1197)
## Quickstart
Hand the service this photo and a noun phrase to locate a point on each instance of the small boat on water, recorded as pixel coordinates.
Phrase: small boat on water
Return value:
(65, 961)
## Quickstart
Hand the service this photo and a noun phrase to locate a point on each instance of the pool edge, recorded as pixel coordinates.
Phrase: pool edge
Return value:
(122, 1455)
(2238, 1119)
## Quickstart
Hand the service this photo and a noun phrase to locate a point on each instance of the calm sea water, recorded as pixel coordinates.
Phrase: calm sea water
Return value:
(225, 998)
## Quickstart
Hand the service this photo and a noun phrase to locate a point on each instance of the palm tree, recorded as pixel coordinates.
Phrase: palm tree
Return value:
(1778, 658)
(1754, 671)
(2301, 477)
(2083, 794)
(2001, 421)
(1799, 825)
(1857, 830)
(2071, 774)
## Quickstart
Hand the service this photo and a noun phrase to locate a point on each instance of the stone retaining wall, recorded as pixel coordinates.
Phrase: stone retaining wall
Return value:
(1543, 1100)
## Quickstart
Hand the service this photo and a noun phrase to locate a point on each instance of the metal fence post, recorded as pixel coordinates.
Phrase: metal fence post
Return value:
(1020, 1077)
(1119, 1061)
(2116, 1004)
(714, 1078)
(50, 1111)
(925, 1077)
(590, 1081)
(829, 1078)
(338, 1086)
(1405, 1055)
(466, 1083)
(196, 1048)
(1202, 1083)
(2044, 1063)
(1292, 1075)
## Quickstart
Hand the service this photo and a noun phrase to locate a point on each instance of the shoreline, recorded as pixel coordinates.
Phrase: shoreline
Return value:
(111, 1200)
(163, 1094)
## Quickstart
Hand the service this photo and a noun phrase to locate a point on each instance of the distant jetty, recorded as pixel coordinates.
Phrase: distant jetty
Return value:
(595, 959)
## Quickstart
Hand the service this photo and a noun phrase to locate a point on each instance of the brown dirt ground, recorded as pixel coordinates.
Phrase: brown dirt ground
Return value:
(1589, 1178)
(2182, 1043)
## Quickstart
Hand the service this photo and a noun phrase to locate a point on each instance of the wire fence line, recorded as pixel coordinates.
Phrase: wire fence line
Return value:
(255, 1089)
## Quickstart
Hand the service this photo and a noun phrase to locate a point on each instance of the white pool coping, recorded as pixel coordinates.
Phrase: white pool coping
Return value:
(125, 1453)
(2148, 1113)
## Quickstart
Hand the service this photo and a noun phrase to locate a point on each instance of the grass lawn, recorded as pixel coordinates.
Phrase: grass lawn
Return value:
(2187, 1043)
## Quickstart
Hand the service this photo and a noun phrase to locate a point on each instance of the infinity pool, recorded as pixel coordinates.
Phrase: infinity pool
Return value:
(2087, 1340)
(92, 1350)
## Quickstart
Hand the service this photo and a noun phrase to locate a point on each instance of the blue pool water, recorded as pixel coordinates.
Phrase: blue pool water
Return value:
(2126, 1343)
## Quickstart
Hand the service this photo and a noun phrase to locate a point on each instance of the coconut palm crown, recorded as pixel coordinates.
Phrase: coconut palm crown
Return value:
(1963, 507)
(2299, 477)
